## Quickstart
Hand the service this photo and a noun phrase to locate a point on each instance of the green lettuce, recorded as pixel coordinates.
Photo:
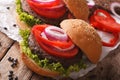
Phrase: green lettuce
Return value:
(45, 62)
(24, 16)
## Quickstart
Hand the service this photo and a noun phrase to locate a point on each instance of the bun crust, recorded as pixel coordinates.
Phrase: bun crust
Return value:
(78, 8)
(84, 36)
(34, 67)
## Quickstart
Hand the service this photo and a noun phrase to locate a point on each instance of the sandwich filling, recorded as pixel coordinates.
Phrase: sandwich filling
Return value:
(27, 15)
(24, 16)
(44, 60)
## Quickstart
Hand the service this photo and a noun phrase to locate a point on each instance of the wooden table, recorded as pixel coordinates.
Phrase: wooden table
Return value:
(10, 48)
(108, 69)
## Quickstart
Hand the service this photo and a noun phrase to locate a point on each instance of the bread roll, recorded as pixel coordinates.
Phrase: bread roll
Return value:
(85, 37)
(78, 8)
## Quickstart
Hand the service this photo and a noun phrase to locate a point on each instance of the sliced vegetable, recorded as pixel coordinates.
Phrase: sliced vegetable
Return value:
(64, 49)
(103, 20)
(54, 9)
(55, 33)
(54, 43)
(58, 48)
(90, 3)
(45, 3)
(113, 6)
(63, 54)
(38, 29)
(112, 41)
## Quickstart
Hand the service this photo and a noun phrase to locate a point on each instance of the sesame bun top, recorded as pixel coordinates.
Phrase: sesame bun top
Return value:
(78, 8)
(85, 37)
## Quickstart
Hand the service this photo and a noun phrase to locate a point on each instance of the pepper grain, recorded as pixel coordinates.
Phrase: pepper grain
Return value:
(5, 28)
(0, 44)
(14, 25)
(10, 59)
(13, 61)
(16, 78)
(11, 78)
(8, 8)
(10, 75)
(11, 72)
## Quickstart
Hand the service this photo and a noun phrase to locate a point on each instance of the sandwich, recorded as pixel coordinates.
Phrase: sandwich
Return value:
(112, 6)
(31, 12)
(57, 52)
(49, 50)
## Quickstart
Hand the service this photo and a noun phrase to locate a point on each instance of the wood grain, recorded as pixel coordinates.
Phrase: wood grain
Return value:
(5, 44)
(21, 70)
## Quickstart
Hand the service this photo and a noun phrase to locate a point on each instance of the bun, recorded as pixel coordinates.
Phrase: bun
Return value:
(84, 36)
(34, 67)
(78, 8)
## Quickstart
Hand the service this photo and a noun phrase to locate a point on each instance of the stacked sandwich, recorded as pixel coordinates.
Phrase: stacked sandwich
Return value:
(57, 38)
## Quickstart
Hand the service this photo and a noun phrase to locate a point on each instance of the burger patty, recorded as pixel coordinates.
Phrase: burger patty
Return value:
(35, 48)
(26, 8)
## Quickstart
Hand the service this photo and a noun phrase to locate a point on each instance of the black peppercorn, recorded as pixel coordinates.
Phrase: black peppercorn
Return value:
(14, 25)
(10, 75)
(12, 65)
(5, 28)
(10, 59)
(16, 60)
(10, 78)
(0, 44)
(16, 78)
(8, 8)
(11, 72)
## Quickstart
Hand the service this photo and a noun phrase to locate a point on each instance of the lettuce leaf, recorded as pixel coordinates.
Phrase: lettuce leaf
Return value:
(24, 16)
(45, 62)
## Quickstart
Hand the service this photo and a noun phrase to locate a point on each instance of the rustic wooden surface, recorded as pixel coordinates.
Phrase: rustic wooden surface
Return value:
(108, 69)
(10, 48)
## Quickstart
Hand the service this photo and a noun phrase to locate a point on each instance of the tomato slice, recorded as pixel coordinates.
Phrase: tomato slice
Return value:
(112, 41)
(44, 4)
(97, 25)
(54, 9)
(65, 54)
(105, 21)
(103, 14)
(44, 43)
(50, 12)
(54, 43)
(93, 22)
(102, 20)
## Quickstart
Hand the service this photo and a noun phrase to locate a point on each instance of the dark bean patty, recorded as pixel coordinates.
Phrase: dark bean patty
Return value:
(42, 54)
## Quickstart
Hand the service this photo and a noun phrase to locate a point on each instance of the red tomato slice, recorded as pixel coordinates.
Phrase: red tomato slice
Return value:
(103, 14)
(45, 4)
(53, 11)
(105, 21)
(102, 20)
(96, 24)
(66, 54)
(37, 29)
(54, 43)
(112, 41)
(93, 22)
